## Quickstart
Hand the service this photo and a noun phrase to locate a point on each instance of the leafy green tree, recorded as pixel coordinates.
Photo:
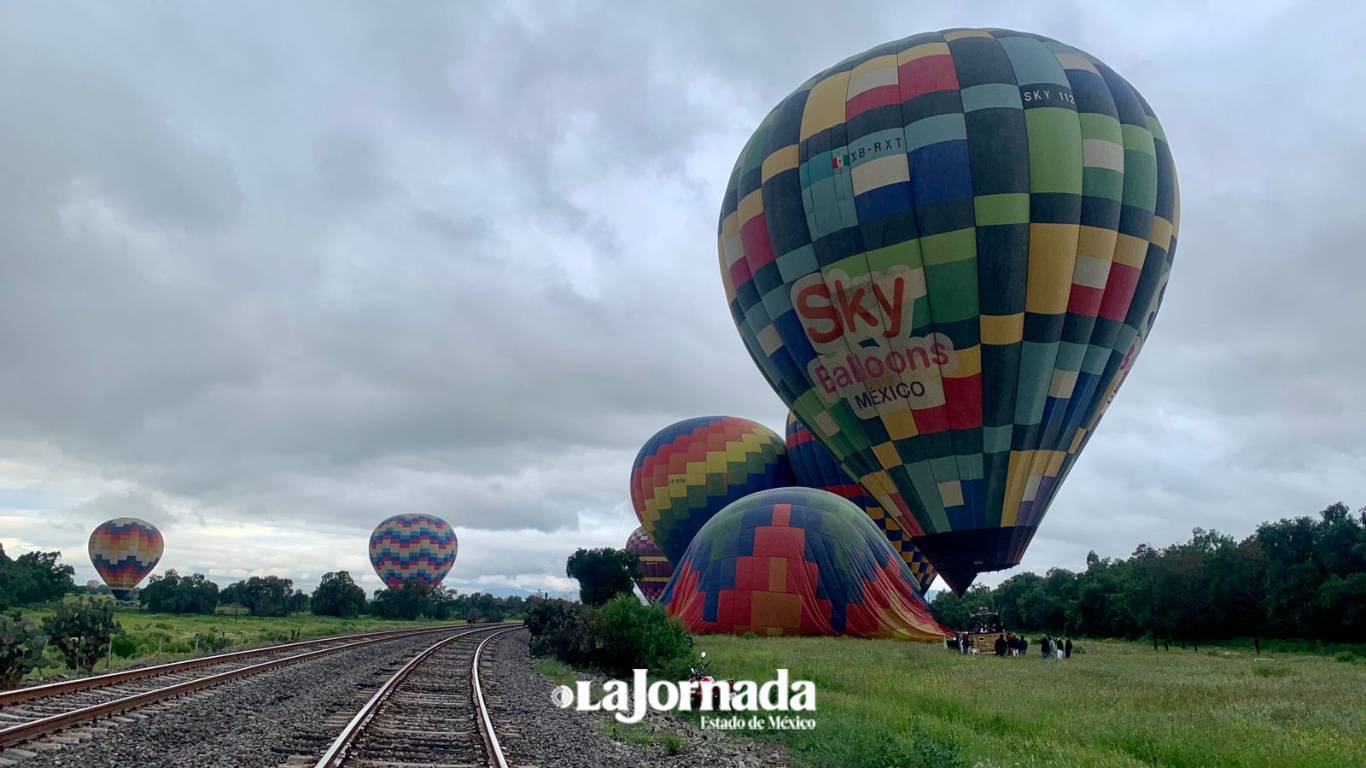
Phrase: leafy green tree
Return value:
(407, 602)
(338, 595)
(953, 611)
(172, 593)
(299, 602)
(602, 573)
(261, 596)
(33, 577)
(82, 630)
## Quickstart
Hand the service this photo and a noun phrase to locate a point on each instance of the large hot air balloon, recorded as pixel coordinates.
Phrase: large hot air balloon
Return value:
(654, 568)
(413, 549)
(688, 471)
(814, 466)
(797, 561)
(124, 551)
(944, 254)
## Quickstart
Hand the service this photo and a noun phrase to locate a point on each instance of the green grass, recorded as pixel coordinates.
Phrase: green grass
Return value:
(159, 637)
(885, 703)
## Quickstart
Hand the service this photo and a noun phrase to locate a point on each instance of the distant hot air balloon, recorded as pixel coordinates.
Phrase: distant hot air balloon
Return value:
(124, 551)
(413, 549)
(797, 561)
(814, 466)
(943, 254)
(654, 568)
(688, 471)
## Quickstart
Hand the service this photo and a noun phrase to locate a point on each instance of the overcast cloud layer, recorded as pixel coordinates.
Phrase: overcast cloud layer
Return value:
(269, 276)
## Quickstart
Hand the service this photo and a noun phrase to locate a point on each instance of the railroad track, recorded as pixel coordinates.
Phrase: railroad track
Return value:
(30, 713)
(430, 713)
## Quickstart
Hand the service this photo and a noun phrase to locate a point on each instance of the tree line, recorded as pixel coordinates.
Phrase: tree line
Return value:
(1296, 578)
(39, 577)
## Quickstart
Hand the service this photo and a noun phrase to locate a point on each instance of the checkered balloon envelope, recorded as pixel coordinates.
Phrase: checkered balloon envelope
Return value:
(944, 254)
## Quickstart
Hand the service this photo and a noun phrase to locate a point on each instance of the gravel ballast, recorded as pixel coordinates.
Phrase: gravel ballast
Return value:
(535, 732)
(256, 722)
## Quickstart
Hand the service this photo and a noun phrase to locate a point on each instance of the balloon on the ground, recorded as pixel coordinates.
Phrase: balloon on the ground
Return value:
(416, 549)
(797, 561)
(688, 471)
(814, 466)
(124, 551)
(944, 254)
(654, 569)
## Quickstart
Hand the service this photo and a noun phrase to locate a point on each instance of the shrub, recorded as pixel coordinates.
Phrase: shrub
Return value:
(21, 649)
(627, 635)
(124, 645)
(558, 628)
(618, 637)
(82, 630)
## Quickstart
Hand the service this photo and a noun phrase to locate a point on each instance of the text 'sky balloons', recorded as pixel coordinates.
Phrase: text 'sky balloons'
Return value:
(124, 551)
(944, 254)
(797, 561)
(688, 471)
(814, 466)
(413, 549)
(654, 569)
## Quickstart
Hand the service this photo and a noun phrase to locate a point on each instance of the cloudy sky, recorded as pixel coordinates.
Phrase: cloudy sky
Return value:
(270, 273)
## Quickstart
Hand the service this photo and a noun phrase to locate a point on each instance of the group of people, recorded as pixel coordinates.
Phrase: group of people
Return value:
(1055, 647)
(1011, 644)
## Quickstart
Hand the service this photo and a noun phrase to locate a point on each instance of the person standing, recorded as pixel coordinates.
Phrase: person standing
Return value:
(1000, 645)
(1045, 651)
(1067, 647)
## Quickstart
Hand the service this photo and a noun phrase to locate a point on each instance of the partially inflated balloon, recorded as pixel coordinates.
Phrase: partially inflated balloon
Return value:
(944, 253)
(124, 551)
(654, 568)
(688, 471)
(814, 466)
(418, 549)
(797, 561)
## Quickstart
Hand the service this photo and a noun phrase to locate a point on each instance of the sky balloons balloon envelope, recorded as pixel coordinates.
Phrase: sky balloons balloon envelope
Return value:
(413, 549)
(944, 254)
(654, 569)
(688, 471)
(124, 551)
(814, 466)
(797, 561)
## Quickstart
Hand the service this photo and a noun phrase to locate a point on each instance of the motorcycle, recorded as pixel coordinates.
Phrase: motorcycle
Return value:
(699, 675)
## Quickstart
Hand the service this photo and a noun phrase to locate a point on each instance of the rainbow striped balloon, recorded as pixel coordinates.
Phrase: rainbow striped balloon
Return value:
(654, 570)
(409, 549)
(124, 551)
(688, 471)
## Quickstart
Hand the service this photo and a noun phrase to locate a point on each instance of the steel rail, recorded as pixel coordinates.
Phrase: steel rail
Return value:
(20, 695)
(31, 730)
(494, 749)
(337, 754)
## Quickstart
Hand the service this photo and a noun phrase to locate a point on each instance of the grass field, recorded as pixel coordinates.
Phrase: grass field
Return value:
(1115, 704)
(158, 637)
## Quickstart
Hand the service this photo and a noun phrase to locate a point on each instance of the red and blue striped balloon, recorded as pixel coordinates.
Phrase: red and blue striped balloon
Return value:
(124, 551)
(654, 569)
(407, 549)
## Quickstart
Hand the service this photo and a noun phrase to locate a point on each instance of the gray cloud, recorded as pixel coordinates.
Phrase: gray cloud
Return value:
(292, 270)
